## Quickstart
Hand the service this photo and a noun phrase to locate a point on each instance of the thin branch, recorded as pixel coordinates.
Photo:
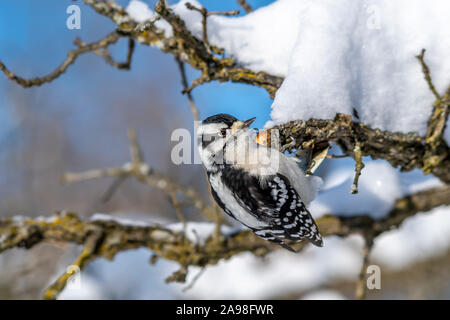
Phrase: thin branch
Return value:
(205, 14)
(113, 188)
(426, 73)
(194, 280)
(179, 275)
(185, 46)
(438, 119)
(195, 83)
(359, 165)
(146, 175)
(89, 249)
(195, 114)
(135, 149)
(245, 6)
(104, 53)
(71, 58)
(70, 177)
(336, 156)
(265, 136)
(137, 159)
(436, 149)
(223, 13)
(361, 285)
(185, 85)
(178, 209)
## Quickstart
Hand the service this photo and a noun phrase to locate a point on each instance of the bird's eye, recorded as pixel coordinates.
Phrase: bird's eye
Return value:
(223, 132)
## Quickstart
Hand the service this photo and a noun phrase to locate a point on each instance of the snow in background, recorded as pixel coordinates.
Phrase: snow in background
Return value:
(130, 276)
(324, 295)
(422, 237)
(244, 276)
(338, 55)
(380, 185)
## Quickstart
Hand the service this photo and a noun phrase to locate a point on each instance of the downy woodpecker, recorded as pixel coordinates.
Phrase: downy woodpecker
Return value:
(258, 186)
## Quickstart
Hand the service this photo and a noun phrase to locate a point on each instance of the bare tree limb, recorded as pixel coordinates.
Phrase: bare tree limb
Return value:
(90, 247)
(359, 165)
(178, 209)
(361, 285)
(404, 150)
(194, 280)
(185, 85)
(205, 14)
(195, 114)
(112, 237)
(438, 119)
(71, 57)
(426, 73)
(104, 53)
(146, 175)
(137, 159)
(185, 46)
(112, 189)
(245, 6)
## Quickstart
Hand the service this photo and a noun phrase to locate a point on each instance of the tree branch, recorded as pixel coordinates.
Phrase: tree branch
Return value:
(195, 114)
(426, 73)
(359, 165)
(112, 237)
(205, 14)
(436, 150)
(90, 246)
(138, 169)
(185, 85)
(245, 6)
(185, 46)
(361, 285)
(404, 150)
(407, 151)
(71, 57)
(104, 53)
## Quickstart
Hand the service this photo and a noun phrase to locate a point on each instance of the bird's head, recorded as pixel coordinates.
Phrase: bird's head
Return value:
(217, 132)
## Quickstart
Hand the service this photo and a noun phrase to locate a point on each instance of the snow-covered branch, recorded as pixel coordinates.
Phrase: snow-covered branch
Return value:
(106, 237)
(168, 32)
(407, 151)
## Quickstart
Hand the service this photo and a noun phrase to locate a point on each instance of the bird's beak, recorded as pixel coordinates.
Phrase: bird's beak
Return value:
(238, 125)
(248, 122)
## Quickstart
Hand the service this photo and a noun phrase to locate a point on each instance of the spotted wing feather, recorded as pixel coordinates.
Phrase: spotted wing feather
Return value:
(276, 202)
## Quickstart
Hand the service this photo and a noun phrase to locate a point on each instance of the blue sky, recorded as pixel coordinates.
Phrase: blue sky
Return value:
(34, 40)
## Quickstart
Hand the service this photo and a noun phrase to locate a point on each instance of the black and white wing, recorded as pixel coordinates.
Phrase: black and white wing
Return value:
(273, 201)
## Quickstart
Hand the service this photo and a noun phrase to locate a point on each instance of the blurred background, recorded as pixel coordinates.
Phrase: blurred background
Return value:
(79, 122)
